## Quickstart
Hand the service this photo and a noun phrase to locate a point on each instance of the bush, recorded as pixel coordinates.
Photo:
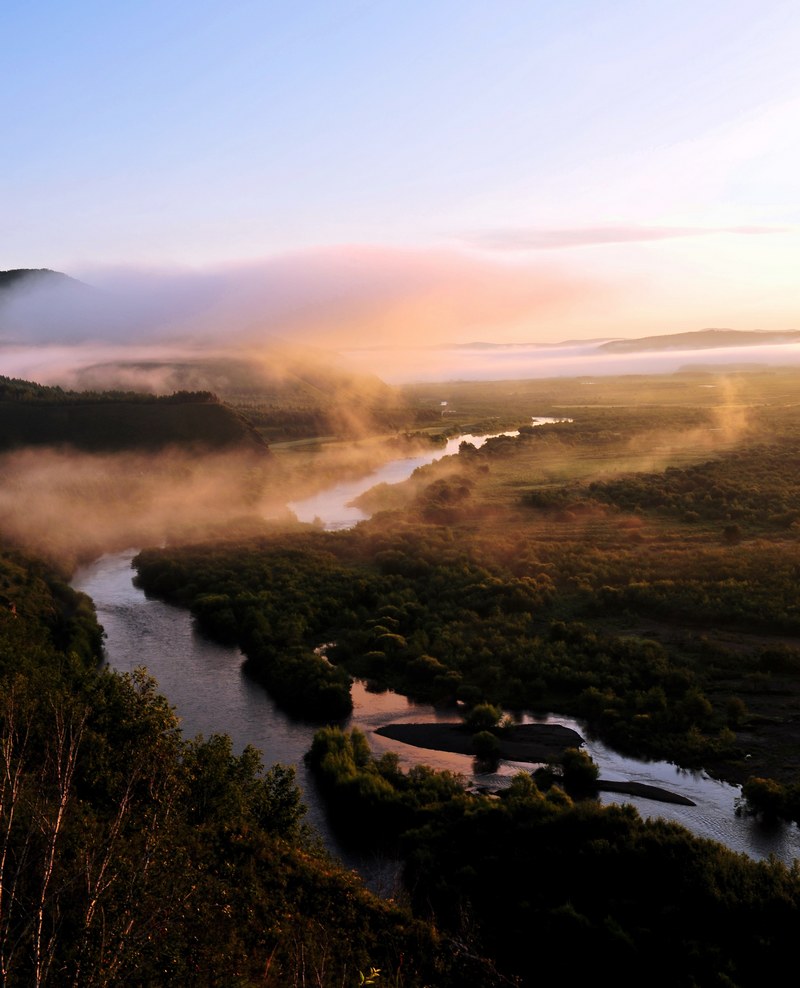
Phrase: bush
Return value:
(486, 745)
(483, 717)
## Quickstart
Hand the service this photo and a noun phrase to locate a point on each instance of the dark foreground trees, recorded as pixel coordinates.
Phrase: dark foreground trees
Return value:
(555, 888)
(130, 855)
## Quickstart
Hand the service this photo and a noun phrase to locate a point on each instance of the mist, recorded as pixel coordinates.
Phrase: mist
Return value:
(336, 296)
(398, 365)
(404, 315)
(400, 315)
(335, 300)
(69, 507)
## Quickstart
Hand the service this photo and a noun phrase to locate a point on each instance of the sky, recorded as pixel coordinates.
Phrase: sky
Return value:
(358, 172)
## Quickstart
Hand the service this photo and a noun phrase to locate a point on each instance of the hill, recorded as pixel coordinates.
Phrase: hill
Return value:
(703, 339)
(35, 415)
(287, 392)
(34, 277)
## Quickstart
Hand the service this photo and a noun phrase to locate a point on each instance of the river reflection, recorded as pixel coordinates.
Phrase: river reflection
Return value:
(713, 816)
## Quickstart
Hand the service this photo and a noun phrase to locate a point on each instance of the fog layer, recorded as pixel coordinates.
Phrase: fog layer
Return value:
(70, 507)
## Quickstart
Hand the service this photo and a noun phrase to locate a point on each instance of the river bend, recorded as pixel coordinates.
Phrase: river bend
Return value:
(210, 692)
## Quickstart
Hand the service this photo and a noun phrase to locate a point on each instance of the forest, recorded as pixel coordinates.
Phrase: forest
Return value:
(634, 564)
(37, 415)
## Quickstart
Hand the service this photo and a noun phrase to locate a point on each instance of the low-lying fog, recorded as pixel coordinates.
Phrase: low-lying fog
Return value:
(65, 504)
(403, 315)
(80, 365)
(521, 362)
(69, 507)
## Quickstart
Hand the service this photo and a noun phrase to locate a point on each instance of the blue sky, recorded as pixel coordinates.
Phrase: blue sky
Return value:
(595, 167)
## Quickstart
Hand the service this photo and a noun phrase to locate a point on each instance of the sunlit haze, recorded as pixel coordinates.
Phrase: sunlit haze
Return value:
(358, 174)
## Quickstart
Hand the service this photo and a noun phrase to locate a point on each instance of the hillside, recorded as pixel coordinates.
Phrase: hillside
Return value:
(286, 391)
(33, 277)
(703, 339)
(35, 415)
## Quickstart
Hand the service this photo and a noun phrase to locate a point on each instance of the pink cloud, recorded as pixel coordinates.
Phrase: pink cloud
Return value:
(522, 239)
(338, 296)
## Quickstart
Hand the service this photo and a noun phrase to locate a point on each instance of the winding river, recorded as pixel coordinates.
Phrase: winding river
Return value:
(332, 506)
(211, 693)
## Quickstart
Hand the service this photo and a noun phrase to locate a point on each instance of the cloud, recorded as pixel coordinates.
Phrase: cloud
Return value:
(345, 295)
(533, 239)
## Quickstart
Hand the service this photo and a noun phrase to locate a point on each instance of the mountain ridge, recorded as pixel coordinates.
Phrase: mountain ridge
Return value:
(702, 339)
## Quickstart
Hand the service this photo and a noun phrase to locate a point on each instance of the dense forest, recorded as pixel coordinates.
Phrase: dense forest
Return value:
(36, 415)
(633, 563)
(132, 855)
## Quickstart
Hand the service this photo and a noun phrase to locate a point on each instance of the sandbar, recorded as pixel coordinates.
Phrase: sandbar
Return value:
(536, 743)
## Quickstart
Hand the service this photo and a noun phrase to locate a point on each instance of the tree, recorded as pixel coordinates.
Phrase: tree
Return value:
(486, 746)
(763, 797)
(579, 772)
(483, 717)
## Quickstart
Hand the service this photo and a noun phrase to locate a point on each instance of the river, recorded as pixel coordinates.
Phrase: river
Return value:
(332, 506)
(211, 693)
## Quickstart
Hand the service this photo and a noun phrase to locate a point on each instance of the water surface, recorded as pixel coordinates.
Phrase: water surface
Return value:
(332, 507)
(211, 693)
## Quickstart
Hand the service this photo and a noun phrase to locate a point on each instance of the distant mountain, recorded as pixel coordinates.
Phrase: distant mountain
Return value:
(483, 345)
(703, 339)
(38, 305)
(35, 277)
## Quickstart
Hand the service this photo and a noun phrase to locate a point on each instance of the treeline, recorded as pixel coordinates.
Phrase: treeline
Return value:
(131, 855)
(16, 278)
(111, 421)
(15, 389)
(345, 418)
(554, 888)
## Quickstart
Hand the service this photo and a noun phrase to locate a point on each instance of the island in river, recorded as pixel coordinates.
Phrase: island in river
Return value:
(523, 743)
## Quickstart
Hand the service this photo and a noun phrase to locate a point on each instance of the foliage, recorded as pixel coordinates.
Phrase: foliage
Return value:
(37, 415)
(482, 717)
(579, 772)
(770, 800)
(417, 613)
(130, 855)
(591, 566)
(717, 490)
(532, 878)
(373, 801)
(486, 746)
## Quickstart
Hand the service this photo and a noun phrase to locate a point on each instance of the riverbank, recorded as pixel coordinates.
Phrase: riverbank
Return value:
(535, 743)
